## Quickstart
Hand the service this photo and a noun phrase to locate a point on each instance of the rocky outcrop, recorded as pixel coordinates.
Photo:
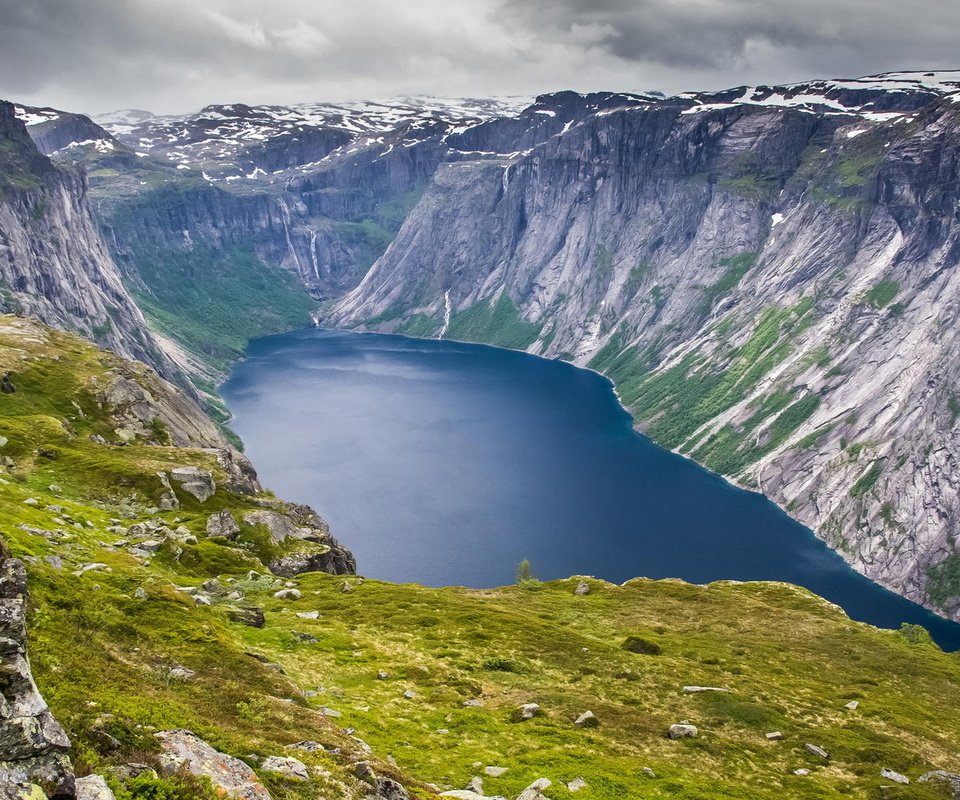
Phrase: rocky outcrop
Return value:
(304, 540)
(33, 746)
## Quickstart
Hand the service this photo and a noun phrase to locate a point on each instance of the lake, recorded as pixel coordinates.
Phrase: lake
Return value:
(441, 463)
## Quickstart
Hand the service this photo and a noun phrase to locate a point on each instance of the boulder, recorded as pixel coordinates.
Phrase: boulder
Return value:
(949, 781)
(774, 736)
(896, 777)
(389, 789)
(195, 481)
(93, 787)
(495, 772)
(587, 720)
(223, 524)
(582, 589)
(683, 730)
(528, 711)
(577, 784)
(286, 766)
(288, 594)
(185, 750)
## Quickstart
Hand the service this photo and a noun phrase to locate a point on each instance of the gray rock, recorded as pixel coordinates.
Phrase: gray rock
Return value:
(93, 787)
(582, 589)
(286, 766)
(774, 736)
(223, 524)
(587, 720)
(195, 481)
(950, 781)
(682, 730)
(495, 772)
(853, 705)
(699, 689)
(288, 594)
(535, 790)
(814, 750)
(141, 594)
(184, 750)
(896, 777)
(577, 784)
(528, 711)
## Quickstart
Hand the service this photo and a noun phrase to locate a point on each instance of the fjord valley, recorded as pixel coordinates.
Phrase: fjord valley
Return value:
(767, 275)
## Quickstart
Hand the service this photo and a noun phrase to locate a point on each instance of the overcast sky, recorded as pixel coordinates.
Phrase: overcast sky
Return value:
(178, 55)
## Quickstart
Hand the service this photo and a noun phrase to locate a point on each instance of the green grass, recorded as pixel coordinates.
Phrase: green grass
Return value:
(496, 323)
(867, 481)
(213, 301)
(102, 657)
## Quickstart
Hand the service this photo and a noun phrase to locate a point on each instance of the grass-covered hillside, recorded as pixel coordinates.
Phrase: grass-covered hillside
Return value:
(142, 621)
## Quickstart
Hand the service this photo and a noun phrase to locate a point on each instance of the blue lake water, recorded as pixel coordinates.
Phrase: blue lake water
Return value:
(446, 463)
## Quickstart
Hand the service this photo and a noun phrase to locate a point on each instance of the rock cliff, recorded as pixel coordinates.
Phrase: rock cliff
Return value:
(768, 275)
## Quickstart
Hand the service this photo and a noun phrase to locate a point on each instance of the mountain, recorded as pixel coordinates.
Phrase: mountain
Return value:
(766, 273)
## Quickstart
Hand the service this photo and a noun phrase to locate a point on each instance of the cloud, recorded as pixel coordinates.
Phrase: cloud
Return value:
(178, 55)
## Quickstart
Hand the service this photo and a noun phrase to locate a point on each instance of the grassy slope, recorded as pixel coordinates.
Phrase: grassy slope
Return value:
(212, 302)
(103, 657)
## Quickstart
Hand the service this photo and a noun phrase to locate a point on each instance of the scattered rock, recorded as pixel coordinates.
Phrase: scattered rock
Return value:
(587, 720)
(141, 594)
(93, 787)
(287, 766)
(683, 730)
(947, 780)
(528, 711)
(774, 736)
(54, 561)
(896, 777)
(382, 676)
(308, 614)
(648, 772)
(535, 790)
(582, 588)
(577, 784)
(801, 771)
(409, 694)
(475, 784)
(250, 616)
(182, 749)
(181, 673)
(495, 772)
(288, 594)
(853, 705)
(330, 712)
(31, 501)
(813, 750)
(698, 689)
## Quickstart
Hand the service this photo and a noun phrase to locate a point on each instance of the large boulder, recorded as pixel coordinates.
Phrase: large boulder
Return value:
(195, 481)
(184, 750)
(222, 524)
(307, 542)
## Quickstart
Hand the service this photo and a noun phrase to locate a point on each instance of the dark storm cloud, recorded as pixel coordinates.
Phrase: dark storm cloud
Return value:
(180, 54)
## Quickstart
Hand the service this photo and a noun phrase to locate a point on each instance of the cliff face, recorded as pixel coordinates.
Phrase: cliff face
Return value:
(53, 263)
(771, 284)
